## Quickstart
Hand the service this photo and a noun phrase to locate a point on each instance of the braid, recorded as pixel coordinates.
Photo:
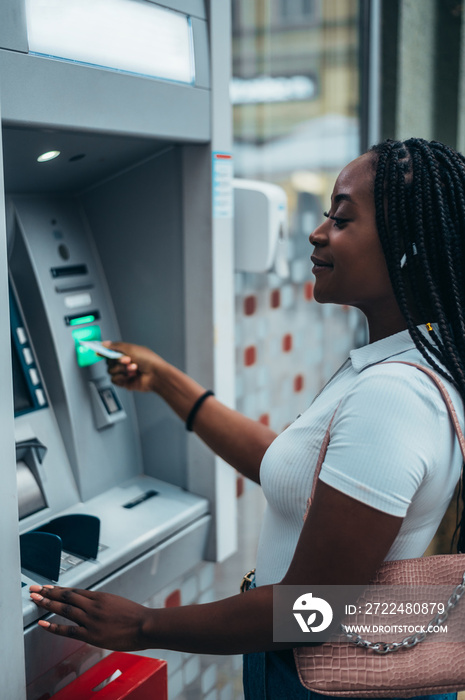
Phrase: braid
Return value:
(419, 194)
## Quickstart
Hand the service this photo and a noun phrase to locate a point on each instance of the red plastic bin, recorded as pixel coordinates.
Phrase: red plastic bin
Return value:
(136, 678)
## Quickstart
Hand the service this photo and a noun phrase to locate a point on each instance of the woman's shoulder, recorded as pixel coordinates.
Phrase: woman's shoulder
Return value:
(397, 378)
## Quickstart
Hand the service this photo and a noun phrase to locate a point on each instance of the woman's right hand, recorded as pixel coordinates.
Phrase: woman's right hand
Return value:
(139, 369)
(240, 441)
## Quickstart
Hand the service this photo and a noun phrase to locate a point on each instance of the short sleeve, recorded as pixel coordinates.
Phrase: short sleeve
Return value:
(383, 437)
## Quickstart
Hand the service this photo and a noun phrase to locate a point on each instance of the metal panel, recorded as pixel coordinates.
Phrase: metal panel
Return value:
(49, 92)
(13, 34)
(85, 158)
(223, 264)
(11, 643)
(136, 217)
(212, 252)
(100, 458)
(138, 581)
(202, 53)
(125, 533)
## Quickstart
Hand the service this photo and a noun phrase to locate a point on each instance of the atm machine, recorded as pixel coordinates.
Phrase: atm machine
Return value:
(126, 235)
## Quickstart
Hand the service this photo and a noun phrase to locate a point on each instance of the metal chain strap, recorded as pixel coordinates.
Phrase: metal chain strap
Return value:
(413, 639)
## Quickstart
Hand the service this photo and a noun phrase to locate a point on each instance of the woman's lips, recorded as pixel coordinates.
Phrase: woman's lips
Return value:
(319, 265)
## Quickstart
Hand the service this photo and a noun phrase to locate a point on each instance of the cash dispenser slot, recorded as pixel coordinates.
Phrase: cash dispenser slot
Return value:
(42, 549)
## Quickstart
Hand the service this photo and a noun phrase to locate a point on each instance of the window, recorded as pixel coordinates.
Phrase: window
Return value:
(293, 11)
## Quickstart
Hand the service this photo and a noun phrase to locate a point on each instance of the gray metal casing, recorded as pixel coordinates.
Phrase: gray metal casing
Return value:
(40, 97)
(100, 458)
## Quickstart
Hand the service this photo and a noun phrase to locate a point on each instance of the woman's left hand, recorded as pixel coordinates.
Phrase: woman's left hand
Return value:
(101, 619)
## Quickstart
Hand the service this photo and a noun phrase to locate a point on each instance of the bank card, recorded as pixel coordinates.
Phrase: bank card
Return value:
(101, 349)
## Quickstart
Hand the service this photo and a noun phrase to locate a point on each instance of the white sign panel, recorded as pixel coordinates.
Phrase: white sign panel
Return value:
(129, 35)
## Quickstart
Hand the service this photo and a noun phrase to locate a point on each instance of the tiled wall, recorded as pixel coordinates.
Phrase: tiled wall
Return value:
(197, 676)
(287, 345)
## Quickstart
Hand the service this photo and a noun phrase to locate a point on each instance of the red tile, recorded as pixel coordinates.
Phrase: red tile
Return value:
(239, 486)
(250, 305)
(174, 599)
(264, 418)
(250, 355)
(287, 342)
(298, 383)
(308, 291)
(275, 299)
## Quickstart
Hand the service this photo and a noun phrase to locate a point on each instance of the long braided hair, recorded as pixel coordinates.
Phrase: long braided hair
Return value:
(419, 193)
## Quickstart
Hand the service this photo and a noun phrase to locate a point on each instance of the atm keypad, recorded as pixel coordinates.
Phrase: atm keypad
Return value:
(68, 561)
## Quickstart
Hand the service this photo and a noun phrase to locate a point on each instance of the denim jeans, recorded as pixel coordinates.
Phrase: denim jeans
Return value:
(272, 675)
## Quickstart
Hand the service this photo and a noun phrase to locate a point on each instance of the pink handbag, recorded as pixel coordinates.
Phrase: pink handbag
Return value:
(356, 667)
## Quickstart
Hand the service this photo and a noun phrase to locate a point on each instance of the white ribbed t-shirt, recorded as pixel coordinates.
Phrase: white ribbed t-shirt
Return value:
(392, 446)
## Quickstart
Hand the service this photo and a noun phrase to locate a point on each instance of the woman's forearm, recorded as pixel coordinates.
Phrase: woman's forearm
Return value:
(236, 625)
(240, 441)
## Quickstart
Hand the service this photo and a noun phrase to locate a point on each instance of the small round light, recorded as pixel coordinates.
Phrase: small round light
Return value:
(50, 155)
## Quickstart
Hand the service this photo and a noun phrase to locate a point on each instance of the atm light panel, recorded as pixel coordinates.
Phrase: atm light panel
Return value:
(85, 356)
(82, 319)
(134, 36)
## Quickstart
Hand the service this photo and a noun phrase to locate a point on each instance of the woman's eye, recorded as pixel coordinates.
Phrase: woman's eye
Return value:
(338, 221)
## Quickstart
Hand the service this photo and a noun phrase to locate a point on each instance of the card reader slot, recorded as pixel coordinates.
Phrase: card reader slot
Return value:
(82, 319)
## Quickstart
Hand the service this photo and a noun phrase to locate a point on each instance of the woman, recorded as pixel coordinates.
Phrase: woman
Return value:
(392, 245)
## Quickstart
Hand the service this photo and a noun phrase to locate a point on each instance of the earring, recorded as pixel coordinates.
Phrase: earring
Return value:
(429, 327)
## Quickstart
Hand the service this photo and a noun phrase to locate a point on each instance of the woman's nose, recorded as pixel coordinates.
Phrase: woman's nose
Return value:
(318, 236)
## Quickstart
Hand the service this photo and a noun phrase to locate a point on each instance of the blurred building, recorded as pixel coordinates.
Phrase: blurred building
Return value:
(421, 89)
(315, 83)
(296, 110)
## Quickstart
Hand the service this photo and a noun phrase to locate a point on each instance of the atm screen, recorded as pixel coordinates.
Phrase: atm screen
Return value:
(22, 396)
